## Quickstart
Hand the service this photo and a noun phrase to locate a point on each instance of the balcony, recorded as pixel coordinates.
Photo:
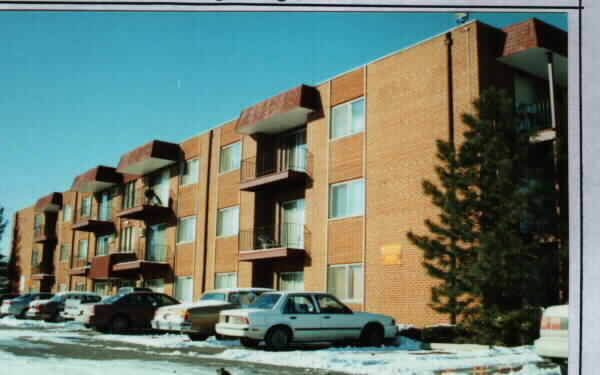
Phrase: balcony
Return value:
(99, 224)
(97, 179)
(144, 204)
(44, 233)
(155, 260)
(101, 266)
(148, 158)
(273, 242)
(42, 271)
(275, 169)
(281, 112)
(536, 118)
(80, 265)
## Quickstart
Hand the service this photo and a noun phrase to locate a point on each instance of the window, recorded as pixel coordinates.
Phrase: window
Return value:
(157, 285)
(129, 195)
(62, 288)
(67, 213)
(299, 305)
(82, 249)
(35, 258)
(346, 282)
(291, 281)
(65, 249)
(230, 158)
(80, 287)
(228, 221)
(225, 280)
(189, 172)
(346, 199)
(347, 119)
(186, 229)
(184, 289)
(86, 207)
(126, 240)
(103, 288)
(102, 244)
(37, 223)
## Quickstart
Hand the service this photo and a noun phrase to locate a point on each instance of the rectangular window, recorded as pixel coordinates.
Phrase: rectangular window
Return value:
(346, 199)
(102, 244)
(65, 249)
(291, 281)
(186, 229)
(347, 119)
(62, 288)
(184, 289)
(157, 285)
(38, 221)
(35, 261)
(80, 287)
(129, 195)
(86, 207)
(345, 281)
(82, 249)
(103, 288)
(67, 213)
(126, 240)
(230, 157)
(225, 280)
(228, 221)
(189, 172)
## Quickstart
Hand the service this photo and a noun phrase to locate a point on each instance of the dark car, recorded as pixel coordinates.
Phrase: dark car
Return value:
(7, 297)
(129, 311)
(18, 306)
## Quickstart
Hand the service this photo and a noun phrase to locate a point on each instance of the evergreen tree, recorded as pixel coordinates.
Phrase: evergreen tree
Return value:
(481, 249)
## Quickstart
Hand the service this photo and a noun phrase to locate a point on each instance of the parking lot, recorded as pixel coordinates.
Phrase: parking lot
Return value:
(57, 348)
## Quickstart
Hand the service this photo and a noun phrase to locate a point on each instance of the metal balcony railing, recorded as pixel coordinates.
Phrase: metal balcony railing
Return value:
(156, 253)
(144, 196)
(536, 116)
(276, 161)
(270, 237)
(80, 261)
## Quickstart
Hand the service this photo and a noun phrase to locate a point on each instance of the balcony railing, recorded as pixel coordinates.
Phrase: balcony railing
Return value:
(144, 203)
(534, 117)
(80, 262)
(276, 161)
(288, 235)
(104, 212)
(153, 253)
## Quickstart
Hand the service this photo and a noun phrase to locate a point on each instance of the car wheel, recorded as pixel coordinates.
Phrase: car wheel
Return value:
(249, 343)
(278, 338)
(119, 324)
(21, 315)
(372, 335)
(196, 336)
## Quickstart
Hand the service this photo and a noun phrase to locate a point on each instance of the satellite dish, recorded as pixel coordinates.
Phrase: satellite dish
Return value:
(461, 17)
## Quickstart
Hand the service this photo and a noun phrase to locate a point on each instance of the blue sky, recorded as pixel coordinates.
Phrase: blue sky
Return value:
(79, 89)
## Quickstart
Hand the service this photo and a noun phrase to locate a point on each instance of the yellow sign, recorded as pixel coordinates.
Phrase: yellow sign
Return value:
(392, 254)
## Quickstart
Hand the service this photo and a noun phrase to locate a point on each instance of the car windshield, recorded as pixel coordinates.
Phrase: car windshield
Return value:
(266, 301)
(213, 297)
(110, 300)
(56, 299)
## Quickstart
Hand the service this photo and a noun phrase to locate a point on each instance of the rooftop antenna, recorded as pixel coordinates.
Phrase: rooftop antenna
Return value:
(461, 17)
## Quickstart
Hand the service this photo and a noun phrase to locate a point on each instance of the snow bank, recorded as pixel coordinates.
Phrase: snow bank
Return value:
(10, 321)
(175, 341)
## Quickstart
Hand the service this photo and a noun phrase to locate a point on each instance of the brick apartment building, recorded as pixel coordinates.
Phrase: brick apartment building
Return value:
(314, 188)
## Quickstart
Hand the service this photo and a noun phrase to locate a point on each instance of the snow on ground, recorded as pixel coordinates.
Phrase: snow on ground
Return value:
(404, 357)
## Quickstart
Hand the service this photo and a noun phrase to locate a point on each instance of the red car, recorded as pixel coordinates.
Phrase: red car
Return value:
(128, 311)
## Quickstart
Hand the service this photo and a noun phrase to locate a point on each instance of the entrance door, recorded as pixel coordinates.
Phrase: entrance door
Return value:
(292, 226)
(184, 289)
(159, 183)
(155, 243)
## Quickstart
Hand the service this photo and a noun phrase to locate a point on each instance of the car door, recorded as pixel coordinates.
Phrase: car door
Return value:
(337, 320)
(300, 313)
(138, 308)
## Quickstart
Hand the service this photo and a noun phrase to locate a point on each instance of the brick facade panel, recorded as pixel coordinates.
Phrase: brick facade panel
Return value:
(347, 87)
(345, 241)
(346, 158)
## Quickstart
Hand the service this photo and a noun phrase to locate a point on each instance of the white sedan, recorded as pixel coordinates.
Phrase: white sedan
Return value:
(280, 318)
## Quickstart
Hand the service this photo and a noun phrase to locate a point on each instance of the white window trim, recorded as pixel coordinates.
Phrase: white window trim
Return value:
(180, 242)
(184, 163)
(217, 224)
(331, 201)
(221, 153)
(350, 104)
(347, 280)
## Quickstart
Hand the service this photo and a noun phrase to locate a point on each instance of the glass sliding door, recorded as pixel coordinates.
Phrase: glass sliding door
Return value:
(156, 249)
(292, 226)
(104, 207)
(159, 183)
(295, 152)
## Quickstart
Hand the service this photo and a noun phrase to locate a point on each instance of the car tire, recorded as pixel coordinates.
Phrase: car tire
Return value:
(278, 338)
(249, 343)
(119, 324)
(372, 335)
(196, 336)
(21, 315)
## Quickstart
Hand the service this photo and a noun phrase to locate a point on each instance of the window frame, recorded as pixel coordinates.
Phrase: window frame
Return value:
(88, 212)
(347, 215)
(67, 208)
(223, 149)
(185, 167)
(348, 282)
(223, 210)
(193, 236)
(221, 274)
(63, 255)
(109, 237)
(87, 248)
(348, 103)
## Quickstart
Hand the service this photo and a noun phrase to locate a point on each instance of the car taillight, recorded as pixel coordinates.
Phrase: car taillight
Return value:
(554, 323)
(37, 307)
(185, 315)
(238, 320)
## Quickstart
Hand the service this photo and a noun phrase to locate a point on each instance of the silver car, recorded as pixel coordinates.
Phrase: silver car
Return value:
(18, 306)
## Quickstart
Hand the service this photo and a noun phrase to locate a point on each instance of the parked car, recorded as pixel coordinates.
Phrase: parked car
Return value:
(75, 307)
(280, 318)
(18, 306)
(198, 319)
(51, 310)
(131, 289)
(120, 313)
(4, 297)
(554, 334)
(33, 312)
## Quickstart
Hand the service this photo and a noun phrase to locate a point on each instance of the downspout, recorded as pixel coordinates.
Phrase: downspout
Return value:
(206, 210)
(448, 43)
(551, 88)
